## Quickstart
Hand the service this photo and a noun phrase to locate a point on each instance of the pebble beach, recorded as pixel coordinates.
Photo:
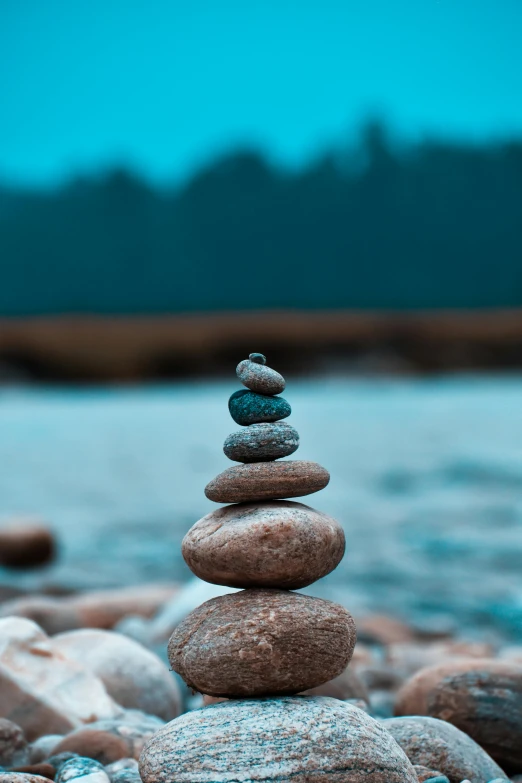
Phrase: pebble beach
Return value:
(150, 646)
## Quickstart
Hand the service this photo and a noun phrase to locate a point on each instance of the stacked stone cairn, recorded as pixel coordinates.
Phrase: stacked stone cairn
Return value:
(258, 648)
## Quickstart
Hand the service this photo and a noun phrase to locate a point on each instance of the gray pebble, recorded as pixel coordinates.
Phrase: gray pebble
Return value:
(262, 442)
(248, 407)
(260, 378)
(259, 358)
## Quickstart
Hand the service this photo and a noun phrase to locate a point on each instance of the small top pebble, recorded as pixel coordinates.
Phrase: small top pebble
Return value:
(258, 358)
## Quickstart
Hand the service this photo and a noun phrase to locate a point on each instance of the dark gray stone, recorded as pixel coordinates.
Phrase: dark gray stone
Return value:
(262, 442)
(247, 407)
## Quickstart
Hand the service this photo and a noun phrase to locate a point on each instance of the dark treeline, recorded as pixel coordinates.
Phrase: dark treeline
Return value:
(435, 225)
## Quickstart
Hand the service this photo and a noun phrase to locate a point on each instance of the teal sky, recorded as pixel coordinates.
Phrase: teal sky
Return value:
(163, 85)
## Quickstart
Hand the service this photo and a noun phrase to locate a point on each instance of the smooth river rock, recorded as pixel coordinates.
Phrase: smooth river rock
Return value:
(439, 745)
(483, 698)
(300, 739)
(267, 481)
(260, 378)
(134, 676)
(41, 690)
(109, 741)
(271, 544)
(262, 642)
(262, 442)
(248, 407)
(14, 750)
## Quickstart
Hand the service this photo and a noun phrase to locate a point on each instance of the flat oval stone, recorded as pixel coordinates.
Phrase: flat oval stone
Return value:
(301, 739)
(481, 697)
(248, 407)
(262, 642)
(267, 481)
(275, 544)
(262, 442)
(260, 378)
(439, 745)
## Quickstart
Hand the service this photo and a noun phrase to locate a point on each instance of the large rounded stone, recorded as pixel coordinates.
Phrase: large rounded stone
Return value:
(441, 746)
(272, 544)
(483, 698)
(267, 481)
(262, 642)
(302, 739)
(248, 407)
(134, 676)
(262, 442)
(260, 378)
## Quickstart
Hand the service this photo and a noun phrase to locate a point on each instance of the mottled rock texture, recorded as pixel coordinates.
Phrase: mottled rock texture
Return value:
(260, 378)
(300, 739)
(261, 642)
(483, 698)
(271, 544)
(85, 769)
(132, 675)
(40, 689)
(262, 442)
(108, 741)
(22, 777)
(441, 746)
(267, 481)
(14, 749)
(248, 407)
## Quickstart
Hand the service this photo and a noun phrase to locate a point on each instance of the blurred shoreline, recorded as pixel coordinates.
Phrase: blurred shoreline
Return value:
(85, 348)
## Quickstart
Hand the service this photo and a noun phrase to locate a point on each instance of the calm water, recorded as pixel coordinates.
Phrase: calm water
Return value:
(426, 480)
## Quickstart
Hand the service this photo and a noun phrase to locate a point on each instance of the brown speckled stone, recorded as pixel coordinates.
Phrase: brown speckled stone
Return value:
(483, 698)
(267, 481)
(439, 745)
(262, 642)
(272, 544)
(260, 378)
(108, 741)
(300, 739)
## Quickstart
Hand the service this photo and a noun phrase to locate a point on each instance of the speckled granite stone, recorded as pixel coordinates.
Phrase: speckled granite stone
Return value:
(299, 739)
(439, 745)
(272, 544)
(260, 378)
(262, 442)
(267, 481)
(262, 642)
(88, 770)
(482, 697)
(248, 407)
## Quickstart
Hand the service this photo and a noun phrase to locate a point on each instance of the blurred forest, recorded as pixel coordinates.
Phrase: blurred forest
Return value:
(380, 226)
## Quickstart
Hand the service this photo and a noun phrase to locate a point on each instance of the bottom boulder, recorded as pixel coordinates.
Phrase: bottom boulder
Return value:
(300, 738)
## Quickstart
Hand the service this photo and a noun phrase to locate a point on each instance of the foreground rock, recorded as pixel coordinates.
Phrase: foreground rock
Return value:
(267, 481)
(96, 609)
(14, 750)
(84, 769)
(302, 739)
(132, 675)
(248, 407)
(260, 642)
(26, 544)
(22, 777)
(440, 746)
(483, 698)
(109, 741)
(262, 442)
(42, 691)
(259, 378)
(272, 544)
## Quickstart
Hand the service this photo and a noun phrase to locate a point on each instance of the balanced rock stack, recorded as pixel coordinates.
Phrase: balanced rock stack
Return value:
(261, 646)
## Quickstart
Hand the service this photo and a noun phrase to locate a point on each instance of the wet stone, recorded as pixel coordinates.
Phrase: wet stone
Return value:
(260, 378)
(262, 442)
(267, 481)
(247, 407)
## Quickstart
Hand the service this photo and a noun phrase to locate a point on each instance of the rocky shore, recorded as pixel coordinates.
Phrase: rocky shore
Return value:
(268, 684)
